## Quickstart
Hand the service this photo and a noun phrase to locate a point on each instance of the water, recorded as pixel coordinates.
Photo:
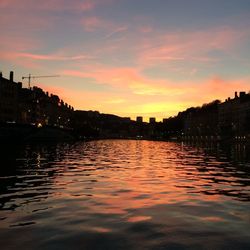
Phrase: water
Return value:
(124, 194)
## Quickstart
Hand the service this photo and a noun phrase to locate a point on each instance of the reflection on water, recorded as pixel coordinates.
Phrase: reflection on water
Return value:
(125, 194)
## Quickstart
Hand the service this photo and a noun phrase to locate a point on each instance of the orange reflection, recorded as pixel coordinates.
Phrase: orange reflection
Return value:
(138, 218)
(101, 229)
(212, 219)
(128, 175)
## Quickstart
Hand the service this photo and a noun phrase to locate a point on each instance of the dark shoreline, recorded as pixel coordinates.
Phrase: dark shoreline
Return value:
(23, 133)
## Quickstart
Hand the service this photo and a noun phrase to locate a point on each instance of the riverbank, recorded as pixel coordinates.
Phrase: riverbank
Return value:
(15, 133)
(19, 133)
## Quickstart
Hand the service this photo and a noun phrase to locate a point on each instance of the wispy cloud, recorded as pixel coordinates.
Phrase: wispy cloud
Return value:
(133, 81)
(87, 5)
(188, 46)
(53, 57)
(55, 5)
(116, 31)
(93, 23)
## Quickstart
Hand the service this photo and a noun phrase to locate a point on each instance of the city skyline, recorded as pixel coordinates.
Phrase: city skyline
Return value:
(149, 58)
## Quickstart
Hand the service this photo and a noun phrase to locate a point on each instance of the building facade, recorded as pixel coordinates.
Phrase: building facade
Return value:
(31, 106)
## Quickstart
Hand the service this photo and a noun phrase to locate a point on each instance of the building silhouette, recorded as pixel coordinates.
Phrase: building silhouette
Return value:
(9, 93)
(152, 120)
(139, 119)
(234, 116)
(31, 106)
(215, 121)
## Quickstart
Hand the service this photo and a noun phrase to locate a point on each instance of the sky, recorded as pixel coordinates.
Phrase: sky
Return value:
(150, 58)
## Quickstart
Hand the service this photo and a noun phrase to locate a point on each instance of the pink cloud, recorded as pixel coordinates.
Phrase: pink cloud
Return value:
(9, 43)
(12, 57)
(92, 23)
(146, 29)
(111, 75)
(52, 5)
(17, 18)
(116, 31)
(88, 5)
(52, 57)
(132, 80)
(5, 3)
(188, 46)
(219, 88)
(10, 49)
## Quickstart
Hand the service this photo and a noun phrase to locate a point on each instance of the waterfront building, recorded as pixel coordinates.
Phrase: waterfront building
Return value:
(202, 123)
(152, 120)
(31, 106)
(234, 116)
(212, 121)
(9, 98)
(139, 119)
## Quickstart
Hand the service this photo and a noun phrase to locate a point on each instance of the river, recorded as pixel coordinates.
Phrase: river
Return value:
(124, 194)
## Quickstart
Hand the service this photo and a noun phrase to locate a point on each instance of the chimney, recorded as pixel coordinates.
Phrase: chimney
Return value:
(236, 94)
(11, 76)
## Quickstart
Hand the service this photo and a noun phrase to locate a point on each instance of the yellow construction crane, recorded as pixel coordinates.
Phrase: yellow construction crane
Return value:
(33, 77)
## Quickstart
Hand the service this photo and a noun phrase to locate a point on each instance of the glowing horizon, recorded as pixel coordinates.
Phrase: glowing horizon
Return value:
(149, 58)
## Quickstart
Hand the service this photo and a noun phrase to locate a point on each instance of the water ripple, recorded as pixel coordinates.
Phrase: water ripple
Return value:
(125, 194)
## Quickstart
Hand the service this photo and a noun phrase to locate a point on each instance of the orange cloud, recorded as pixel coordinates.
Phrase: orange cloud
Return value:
(142, 95)
(153, 98)
(132, 79)
(219, 88)
(127, 78)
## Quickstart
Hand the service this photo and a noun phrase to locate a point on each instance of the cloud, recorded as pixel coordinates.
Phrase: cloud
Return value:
(189, 46)
(87, 5)
(116, 31)
(53, 5)
(145, 29)
(92, 23)
(133, 94)
(133, 81)
(52, 57)
(77, 39)
(218, 88)
(165, 105)
(10, 49)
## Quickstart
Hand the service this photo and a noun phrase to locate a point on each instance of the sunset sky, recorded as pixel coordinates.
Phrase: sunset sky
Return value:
(129, 57)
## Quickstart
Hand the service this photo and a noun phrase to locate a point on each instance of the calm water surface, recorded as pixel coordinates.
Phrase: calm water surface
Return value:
(124, 194)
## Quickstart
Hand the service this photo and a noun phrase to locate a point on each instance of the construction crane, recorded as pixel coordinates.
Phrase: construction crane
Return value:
(33, 77)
